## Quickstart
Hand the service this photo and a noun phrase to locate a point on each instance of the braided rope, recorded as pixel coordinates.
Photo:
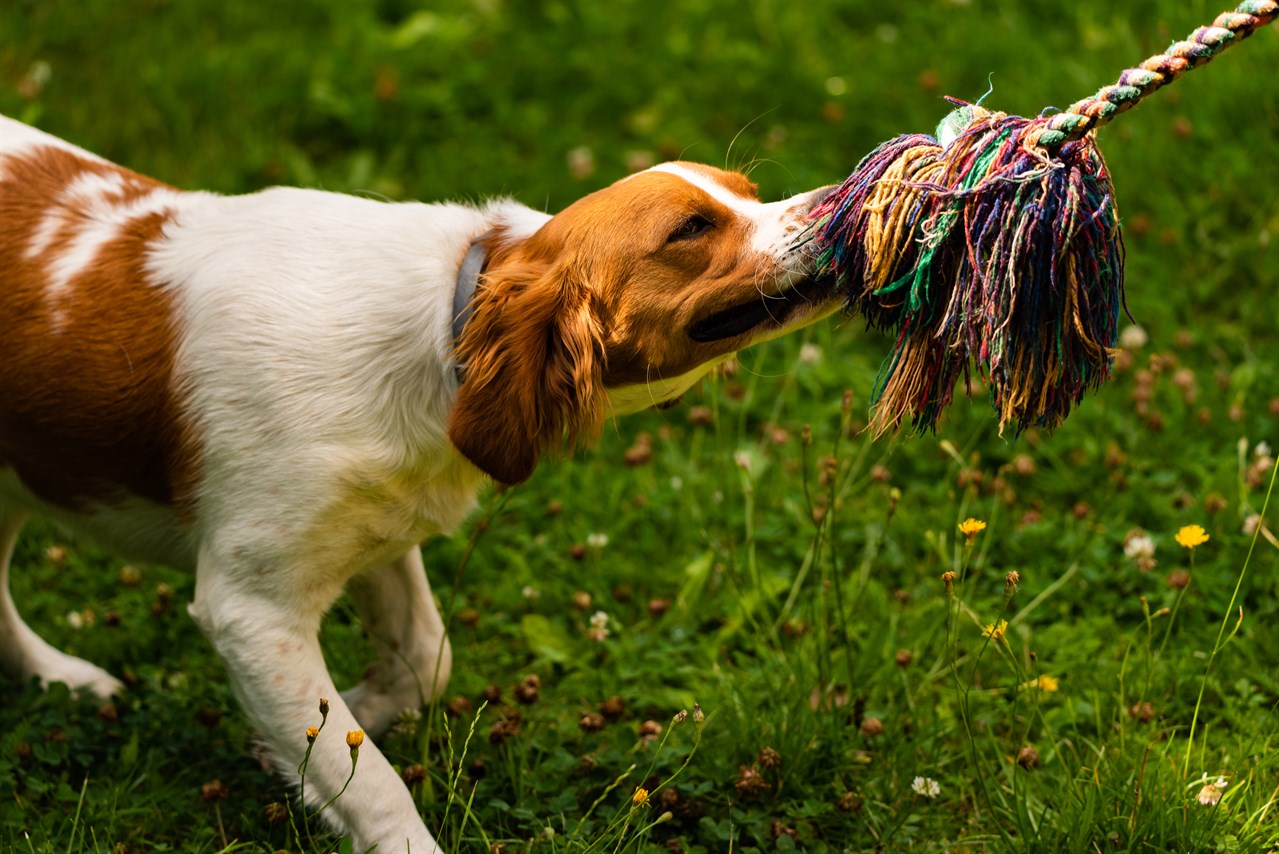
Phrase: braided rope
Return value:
(1136, 84)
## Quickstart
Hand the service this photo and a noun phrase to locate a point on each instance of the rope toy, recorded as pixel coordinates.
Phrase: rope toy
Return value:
(996, 246)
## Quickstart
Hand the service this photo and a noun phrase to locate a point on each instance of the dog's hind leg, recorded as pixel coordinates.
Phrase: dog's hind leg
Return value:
(23, 653)
(414, 658)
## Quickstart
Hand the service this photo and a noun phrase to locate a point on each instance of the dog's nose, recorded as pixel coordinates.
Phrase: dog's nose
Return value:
(816, 197)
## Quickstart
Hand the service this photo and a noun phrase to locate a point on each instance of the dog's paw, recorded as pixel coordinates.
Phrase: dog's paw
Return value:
(79, 675)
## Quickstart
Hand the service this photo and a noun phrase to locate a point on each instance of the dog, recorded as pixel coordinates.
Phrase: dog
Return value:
(287, 392)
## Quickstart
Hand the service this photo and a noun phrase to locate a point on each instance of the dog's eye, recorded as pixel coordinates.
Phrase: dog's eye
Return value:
(691, 227)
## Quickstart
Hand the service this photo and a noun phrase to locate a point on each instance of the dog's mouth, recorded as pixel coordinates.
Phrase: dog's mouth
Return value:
(771, 309)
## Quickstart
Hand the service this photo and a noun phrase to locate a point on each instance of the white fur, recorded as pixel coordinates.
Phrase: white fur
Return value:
(315, 365)
(774, 225)
(16, 138)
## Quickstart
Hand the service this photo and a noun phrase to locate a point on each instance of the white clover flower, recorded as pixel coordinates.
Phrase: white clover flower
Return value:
(677, 483)
(810, 354)
(599, 626)
(1133, 338)
(75, 620)
(1140, 546)
(597, 541)
(1262, 451)
(925, 786)
(530, 592)
(1209, 795)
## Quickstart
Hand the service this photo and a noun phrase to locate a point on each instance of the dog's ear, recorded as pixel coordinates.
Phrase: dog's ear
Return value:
(534, 364)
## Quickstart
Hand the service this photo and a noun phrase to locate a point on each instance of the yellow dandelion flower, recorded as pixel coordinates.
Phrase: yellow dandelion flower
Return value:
(1191, 536)
(311, 733)
(971, 527)
(640, 798)
(995, 632)
(1043, 682)
(355, 738)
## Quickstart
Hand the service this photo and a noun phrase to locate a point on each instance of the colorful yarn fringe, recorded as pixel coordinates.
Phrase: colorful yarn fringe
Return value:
(996, 247)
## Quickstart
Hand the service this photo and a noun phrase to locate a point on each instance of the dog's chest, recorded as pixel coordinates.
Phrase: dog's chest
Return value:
(376, 515)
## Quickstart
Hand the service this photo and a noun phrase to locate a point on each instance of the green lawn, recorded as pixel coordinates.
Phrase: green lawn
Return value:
(792, 589)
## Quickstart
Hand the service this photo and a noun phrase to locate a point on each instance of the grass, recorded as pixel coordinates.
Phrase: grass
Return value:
(791, 587)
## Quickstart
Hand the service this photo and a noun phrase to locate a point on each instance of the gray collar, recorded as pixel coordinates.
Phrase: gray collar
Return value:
(468, 277)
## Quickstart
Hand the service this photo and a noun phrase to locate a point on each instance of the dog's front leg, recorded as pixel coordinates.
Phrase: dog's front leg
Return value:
(265, 629)
(414, 659)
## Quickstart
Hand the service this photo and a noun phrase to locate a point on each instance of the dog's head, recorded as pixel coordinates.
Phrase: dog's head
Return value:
(622, 301)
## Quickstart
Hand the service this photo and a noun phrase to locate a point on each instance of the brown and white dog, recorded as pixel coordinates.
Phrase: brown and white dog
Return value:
(270, 390)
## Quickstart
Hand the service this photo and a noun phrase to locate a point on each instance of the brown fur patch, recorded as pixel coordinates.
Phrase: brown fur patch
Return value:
(600, 297)
(87, 408)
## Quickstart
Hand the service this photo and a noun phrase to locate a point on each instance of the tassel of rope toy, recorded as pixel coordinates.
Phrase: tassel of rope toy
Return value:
(996, 245)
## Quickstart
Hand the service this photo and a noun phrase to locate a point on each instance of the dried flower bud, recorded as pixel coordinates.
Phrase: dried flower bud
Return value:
(502, 730)
(1028, 757)
(413, 774)
(614, 708)
(324, 708)
(778, 830)
(770, 758)
(749, 781)
(214, 791)
(1141, 712)
(850, 802)
(1011, 580)
(528, 691)
(948, 579)
(700, 416)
